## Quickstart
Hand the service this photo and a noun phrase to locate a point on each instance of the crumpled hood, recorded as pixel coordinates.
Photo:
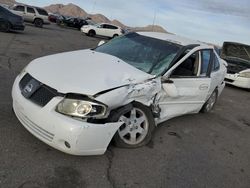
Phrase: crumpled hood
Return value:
(84, 72)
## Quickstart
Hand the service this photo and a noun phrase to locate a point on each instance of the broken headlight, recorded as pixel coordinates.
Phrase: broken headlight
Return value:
(244, 74)
(81, 108)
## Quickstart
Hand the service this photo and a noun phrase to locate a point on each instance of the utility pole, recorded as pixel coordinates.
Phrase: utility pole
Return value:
(154, 21)
(93, 8)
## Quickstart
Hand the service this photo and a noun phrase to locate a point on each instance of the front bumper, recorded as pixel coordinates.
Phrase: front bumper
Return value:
(20, 27)
(235, 80)
(84, 30)
(56, 129)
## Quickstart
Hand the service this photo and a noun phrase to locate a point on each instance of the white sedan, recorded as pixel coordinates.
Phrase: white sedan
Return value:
(103, 29)
(120, 90)
(238, 58)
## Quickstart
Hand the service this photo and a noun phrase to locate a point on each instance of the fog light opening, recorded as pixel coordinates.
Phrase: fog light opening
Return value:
(67, 144)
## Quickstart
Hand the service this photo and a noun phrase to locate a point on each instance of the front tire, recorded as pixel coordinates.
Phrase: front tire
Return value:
(91, 33)
(5, 26)
(137, 128)
(208, 106)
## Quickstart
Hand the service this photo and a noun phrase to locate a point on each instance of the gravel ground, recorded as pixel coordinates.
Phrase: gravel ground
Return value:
(202, 150)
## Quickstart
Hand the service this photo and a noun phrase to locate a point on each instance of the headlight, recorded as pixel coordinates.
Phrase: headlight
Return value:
(245, 74)
(81, 108)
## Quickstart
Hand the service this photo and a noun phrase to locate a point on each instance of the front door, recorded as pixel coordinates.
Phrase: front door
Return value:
(186, 89)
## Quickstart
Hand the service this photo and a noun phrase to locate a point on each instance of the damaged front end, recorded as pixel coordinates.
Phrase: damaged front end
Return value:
(238, 58)
(122, 97)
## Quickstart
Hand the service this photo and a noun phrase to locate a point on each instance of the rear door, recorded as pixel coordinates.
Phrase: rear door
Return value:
(187, 88)
(30, 14)
(111, 30)
(217, 74)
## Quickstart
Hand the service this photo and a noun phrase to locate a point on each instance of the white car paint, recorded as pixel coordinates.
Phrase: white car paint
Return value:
(107, 78)
(101, 30)
(238, 80)
(89, 73)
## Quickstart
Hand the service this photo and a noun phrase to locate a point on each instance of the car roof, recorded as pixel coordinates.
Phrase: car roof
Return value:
(110, 24)
(173, 38)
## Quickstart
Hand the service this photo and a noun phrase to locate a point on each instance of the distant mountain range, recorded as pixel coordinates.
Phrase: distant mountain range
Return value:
(75, 11)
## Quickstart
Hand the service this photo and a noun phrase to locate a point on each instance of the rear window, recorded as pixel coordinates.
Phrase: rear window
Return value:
(42, 12)
(216, 63)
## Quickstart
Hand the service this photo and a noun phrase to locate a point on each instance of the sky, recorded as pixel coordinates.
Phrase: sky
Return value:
(213, 21)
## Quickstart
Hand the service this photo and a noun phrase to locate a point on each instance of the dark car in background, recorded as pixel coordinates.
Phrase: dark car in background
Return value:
(73, 22)
(10, 21)
(53, 18)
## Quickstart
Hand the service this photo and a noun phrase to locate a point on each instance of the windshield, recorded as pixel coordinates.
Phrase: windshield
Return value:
(150, 55)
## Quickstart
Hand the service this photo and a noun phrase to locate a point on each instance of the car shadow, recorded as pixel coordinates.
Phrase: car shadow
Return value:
(237, 88)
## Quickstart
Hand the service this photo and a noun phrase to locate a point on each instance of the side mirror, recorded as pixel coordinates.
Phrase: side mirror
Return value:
(170, 88)
(101, 42)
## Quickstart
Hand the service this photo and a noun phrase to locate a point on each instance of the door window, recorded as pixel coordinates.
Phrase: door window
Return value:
(111, 27)
(189, 68)
(42, 12)
(30, 10)
(19, 8)
(216, 64)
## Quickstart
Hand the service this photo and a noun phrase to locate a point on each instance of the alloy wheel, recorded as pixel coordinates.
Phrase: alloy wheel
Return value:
(135, 127)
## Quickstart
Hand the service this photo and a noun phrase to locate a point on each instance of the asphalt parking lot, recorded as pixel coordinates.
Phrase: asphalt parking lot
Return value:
(202, 150)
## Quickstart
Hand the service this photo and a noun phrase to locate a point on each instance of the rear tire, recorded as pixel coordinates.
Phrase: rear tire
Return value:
(5, 26)
(208, 106)
(38, 22)
(138, 126)
(115, 35)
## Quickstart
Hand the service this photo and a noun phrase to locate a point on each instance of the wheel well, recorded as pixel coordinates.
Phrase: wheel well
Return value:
(92, 30)
(37, 19)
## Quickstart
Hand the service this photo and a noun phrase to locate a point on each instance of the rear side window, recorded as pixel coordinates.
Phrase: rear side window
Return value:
(216, 63)
(111, 27)
(42, 12)
(19, 8)
(30, 10)
(104, 26)
(206, 56)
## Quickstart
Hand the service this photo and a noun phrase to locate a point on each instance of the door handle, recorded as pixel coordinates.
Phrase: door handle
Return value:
(203, 87)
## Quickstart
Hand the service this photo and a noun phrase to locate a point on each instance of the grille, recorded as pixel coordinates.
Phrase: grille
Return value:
(42, 95)
(25, 80)
(229, 80)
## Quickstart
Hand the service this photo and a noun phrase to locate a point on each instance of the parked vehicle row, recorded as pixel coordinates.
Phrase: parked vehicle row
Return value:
(39, 17)
(73, 22)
